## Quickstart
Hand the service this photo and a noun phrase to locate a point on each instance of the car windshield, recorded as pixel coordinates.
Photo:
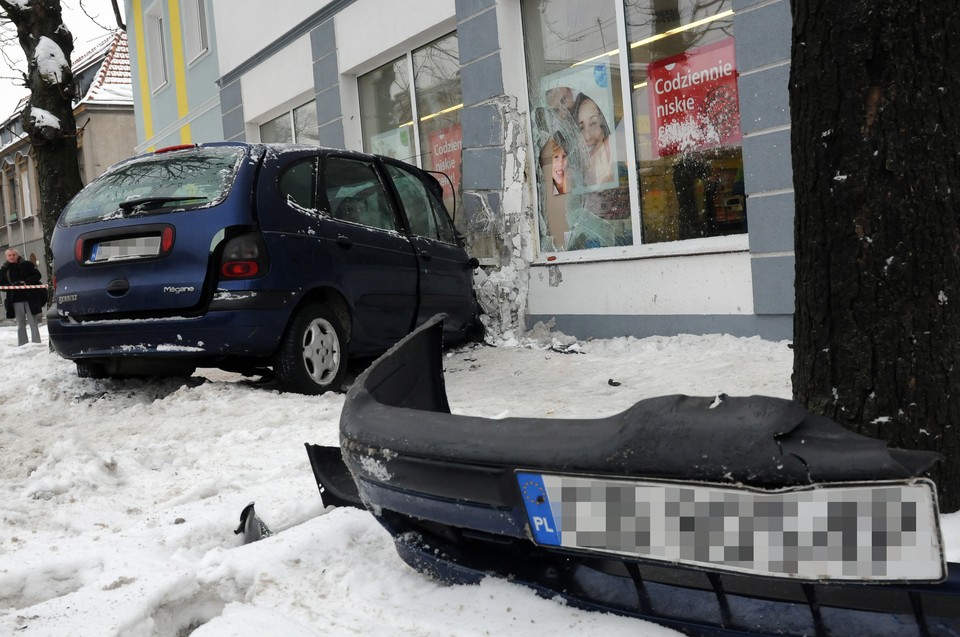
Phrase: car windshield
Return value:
(157, 183)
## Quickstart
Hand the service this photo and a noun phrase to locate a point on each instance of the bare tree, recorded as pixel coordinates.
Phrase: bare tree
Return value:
(874, 93)
(48, 117)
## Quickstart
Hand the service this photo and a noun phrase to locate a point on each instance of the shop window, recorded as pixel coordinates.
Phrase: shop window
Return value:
(298, 126)
(195, 28)
(410, 110)
(680, 130)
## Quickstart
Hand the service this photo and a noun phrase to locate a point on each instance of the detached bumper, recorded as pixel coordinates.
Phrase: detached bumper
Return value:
(463, 498)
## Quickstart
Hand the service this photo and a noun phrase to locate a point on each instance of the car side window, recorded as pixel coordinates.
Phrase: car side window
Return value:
(298, 184)
(356, 194)
(426, 214)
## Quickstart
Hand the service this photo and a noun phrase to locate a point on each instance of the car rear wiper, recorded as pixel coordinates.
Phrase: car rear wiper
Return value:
(129, 205)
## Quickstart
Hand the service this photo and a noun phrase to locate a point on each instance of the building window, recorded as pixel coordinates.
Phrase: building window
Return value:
(195, 28)
(680, 126)
(410, 110)
(26, 198)
(298, 126)
(156, 49)
(14, 193)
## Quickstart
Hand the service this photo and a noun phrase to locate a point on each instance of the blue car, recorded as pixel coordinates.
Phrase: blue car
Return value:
(247, 257)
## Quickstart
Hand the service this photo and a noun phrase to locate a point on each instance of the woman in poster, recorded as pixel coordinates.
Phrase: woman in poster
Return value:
(600, 167)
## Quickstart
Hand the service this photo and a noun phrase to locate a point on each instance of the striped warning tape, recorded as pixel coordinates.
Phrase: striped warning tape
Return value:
(22, 287)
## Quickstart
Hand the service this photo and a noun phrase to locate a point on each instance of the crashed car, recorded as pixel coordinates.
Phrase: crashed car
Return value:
(713, 516)
(254, 256)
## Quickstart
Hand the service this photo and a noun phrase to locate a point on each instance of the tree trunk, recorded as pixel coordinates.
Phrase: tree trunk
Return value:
(48, 119)
(875, 104)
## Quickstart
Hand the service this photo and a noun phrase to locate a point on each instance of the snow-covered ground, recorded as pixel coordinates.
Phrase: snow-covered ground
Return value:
(118, 500)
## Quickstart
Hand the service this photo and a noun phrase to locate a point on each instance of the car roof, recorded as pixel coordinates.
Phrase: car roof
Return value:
(290, 147)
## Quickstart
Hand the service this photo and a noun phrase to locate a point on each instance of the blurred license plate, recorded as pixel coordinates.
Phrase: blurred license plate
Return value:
(865, 531)
(130, 248)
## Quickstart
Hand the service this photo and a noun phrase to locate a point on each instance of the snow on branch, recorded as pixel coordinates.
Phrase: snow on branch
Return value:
(50, 60)
(43, 118)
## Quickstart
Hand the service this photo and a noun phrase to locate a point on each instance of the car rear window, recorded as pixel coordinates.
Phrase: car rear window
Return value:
(180, 180)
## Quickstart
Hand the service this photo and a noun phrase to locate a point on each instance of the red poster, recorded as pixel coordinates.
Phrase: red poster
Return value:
(445, 147)
(693, 100)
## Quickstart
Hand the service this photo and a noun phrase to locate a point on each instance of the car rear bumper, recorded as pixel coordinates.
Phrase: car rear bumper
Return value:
(215, 333)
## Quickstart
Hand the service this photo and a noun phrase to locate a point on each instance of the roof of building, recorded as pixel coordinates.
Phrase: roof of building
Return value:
(112, 84)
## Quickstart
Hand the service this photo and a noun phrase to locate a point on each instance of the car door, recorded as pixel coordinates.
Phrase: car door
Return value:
(446, 271)
(374, 260)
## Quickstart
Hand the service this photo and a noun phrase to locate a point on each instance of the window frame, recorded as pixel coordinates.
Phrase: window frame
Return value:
(196, 36)
(156, 53)
(619, 53)
(290, 116)
(417, 125)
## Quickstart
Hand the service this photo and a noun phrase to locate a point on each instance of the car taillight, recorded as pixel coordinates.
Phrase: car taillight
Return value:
(166, 240)
(244, 257)
(78, 250)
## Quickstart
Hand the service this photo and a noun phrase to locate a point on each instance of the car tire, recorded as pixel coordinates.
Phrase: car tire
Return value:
(313, 354)
(90, 369)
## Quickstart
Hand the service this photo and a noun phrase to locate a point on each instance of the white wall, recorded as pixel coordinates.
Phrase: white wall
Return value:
(389, 29)
(244, 27)
(278, 84)
(692, 284)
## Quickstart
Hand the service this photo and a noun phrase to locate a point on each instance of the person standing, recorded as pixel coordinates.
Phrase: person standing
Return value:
(19, 271)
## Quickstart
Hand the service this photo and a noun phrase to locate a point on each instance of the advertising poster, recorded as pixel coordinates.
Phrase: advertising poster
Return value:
(394, 143)
(445, 148)
(694, 104)
(580, 107)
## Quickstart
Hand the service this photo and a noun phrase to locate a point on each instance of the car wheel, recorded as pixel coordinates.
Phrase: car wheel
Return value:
(313, 354)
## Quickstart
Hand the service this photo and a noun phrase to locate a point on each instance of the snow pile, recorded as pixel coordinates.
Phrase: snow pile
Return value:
(118, 499)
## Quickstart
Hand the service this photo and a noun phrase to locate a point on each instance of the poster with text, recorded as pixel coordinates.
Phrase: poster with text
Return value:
(694, 104)
(446, 145)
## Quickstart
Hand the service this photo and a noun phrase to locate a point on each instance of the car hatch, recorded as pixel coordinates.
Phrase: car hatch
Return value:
(139, 242)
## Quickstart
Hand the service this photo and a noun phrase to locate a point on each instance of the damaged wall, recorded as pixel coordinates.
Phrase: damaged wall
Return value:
(497, 185)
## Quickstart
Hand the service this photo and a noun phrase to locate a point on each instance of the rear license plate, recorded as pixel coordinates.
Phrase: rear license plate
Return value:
(866, 531)
(130, 248)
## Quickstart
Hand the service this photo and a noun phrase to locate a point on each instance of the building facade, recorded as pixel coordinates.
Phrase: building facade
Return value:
(174, 67)
(106, 134)
(619, 167)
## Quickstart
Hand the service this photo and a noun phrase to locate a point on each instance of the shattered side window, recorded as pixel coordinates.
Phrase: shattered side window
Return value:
(685, 147)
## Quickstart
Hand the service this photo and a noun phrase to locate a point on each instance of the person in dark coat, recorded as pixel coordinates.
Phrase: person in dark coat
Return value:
(19, 271)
